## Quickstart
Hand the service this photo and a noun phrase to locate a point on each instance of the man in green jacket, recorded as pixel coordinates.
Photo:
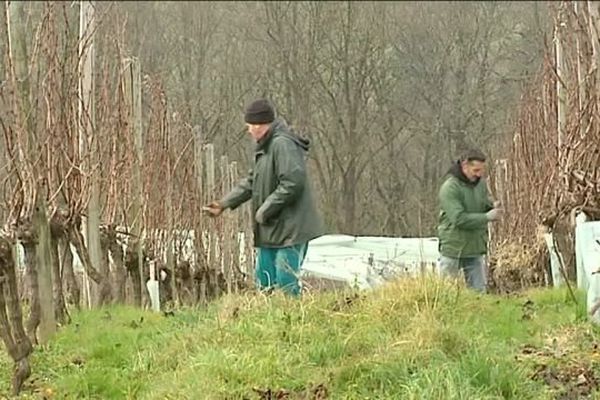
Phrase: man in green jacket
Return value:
(285, 214)
(465, 210)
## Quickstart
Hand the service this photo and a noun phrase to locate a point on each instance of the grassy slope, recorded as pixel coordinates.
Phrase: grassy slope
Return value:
(413, 339)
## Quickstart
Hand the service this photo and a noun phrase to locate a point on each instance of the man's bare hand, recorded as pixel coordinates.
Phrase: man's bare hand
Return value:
(214, 209)
(494, 214)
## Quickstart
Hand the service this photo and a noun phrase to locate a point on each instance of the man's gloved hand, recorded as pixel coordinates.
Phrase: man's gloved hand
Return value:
(494, 214)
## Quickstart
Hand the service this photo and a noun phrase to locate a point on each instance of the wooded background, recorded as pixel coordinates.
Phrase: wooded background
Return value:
(389, 92)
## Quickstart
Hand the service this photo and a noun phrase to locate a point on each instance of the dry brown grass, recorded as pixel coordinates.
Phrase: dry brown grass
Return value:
(515, 266)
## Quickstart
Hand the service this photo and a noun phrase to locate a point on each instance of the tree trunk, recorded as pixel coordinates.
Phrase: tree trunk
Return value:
(11, 318)
(69, 274)
(76, 238)
(349, 200)
(105, 296)
(44, 264)
(133, 269)
(120, 271)
(34, 300)
(60, 308)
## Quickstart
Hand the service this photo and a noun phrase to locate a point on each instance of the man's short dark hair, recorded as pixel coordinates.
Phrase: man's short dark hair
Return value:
(473, 155)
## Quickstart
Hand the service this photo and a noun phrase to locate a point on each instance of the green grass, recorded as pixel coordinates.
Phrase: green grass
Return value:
(413, 339)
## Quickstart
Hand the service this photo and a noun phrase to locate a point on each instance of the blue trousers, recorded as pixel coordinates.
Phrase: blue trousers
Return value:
(473, 268)
(280, 268)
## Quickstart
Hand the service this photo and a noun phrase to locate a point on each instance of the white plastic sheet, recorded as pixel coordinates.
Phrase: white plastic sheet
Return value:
(367, 261)
(587, 258)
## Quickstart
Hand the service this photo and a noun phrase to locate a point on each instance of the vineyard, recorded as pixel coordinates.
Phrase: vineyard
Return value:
(104, 175)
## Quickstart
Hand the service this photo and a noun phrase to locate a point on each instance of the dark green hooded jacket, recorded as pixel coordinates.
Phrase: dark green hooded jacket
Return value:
(280, 191)
(462, 229)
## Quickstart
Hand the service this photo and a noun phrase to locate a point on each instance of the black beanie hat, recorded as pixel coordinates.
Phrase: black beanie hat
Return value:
(259, 112)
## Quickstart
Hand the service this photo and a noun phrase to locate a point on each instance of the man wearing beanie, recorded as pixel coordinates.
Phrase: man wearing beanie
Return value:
(285, 214)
